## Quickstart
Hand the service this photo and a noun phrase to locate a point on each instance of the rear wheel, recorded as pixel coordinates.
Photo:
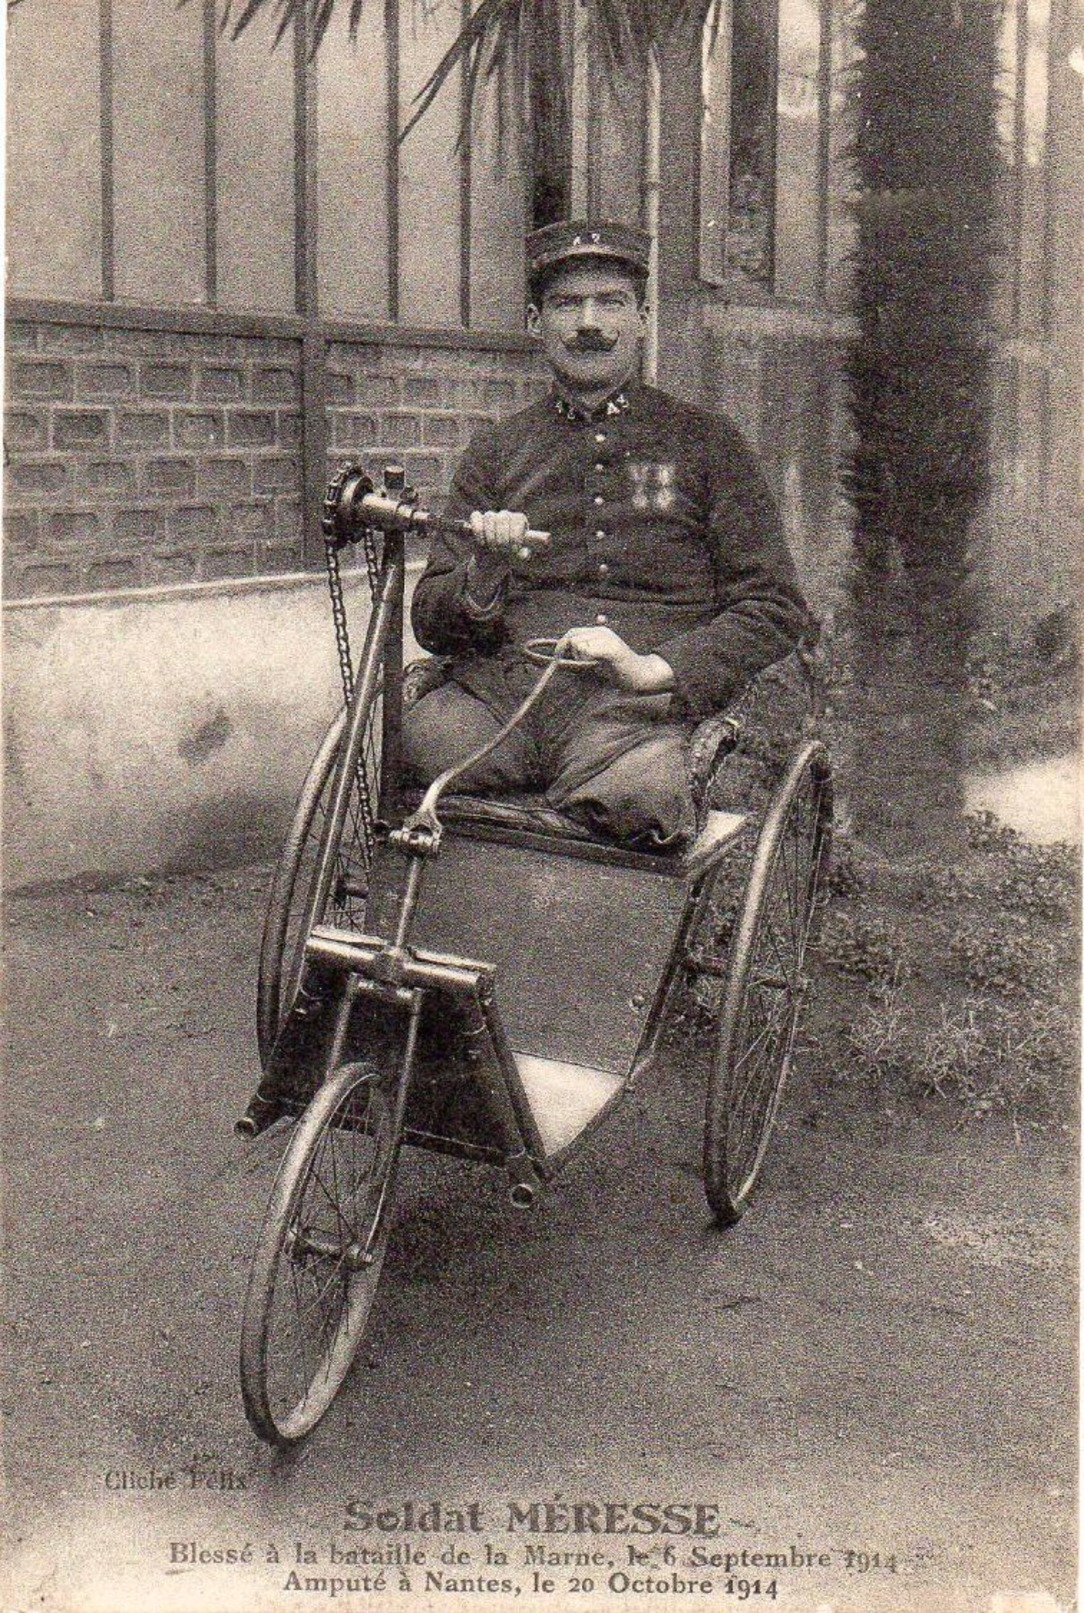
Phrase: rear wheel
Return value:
(319, 1256)
(766, 982)
(282, 945)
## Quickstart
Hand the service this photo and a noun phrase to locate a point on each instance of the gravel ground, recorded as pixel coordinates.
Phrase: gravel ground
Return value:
(871, 1380)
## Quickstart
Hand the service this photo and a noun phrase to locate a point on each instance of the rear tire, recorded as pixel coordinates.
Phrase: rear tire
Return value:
(319, 1256)
(766, 983)
(282, 944)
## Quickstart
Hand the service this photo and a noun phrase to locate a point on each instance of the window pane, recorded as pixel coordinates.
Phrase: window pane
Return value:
(1022, 293)
(715, 143)
(842, 228)
(429, 172)
(352, 103)
(751, 201)
(1033, 311)
(798, 126)
(497, 225)
(158, 152)
(54, 150)
(1005, 282)
(621, 148)
(563, 59)
(255, 149)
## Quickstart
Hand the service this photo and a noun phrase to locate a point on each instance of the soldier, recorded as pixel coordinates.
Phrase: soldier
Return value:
(667, 565)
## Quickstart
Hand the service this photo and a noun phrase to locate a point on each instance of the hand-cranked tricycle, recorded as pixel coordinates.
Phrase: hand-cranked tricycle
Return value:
(486, 978)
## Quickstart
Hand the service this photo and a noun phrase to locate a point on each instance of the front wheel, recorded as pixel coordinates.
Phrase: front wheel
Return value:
(766, 983)
(319, 1255)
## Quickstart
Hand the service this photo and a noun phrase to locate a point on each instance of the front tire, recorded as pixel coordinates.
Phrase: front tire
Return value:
(319, 1255)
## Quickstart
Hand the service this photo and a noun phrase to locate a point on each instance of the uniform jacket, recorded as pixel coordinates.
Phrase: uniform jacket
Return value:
(662, 529)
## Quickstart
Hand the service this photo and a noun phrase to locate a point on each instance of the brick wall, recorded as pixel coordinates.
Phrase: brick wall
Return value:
(140, 458)
(407, 403)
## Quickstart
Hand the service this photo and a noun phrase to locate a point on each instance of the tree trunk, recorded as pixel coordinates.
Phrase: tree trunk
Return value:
(918, 371)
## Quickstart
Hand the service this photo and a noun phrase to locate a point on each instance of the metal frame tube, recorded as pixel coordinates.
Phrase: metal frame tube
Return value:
(649, 206)
(402, 1091)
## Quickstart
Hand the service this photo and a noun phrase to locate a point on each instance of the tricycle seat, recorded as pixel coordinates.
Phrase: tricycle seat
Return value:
(530, 820)
(709, 743)
(529, 813)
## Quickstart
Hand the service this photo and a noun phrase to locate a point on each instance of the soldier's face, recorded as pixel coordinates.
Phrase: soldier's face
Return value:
(590, 325)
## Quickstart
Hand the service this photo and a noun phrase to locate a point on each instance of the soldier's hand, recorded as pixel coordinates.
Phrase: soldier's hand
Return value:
(617, 662)
(502, 532)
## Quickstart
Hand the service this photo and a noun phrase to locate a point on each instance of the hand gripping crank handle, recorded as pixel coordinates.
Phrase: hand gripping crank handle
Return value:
(391, 514)
(529, 544)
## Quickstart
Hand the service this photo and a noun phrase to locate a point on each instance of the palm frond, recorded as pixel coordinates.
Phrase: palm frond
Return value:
(624, 34)
(524, 44)
(238, 14)
(490, 37)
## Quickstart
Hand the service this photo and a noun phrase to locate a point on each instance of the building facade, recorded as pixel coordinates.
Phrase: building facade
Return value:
(227, 274)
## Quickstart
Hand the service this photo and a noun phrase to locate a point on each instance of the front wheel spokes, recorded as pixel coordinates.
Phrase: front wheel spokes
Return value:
(320, 1253)
(322, 1240)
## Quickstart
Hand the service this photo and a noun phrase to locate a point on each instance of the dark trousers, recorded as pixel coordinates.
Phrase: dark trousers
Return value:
(610, 760)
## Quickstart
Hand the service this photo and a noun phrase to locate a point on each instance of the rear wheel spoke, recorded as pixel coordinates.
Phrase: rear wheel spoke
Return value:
(282, 946)
(765, 984)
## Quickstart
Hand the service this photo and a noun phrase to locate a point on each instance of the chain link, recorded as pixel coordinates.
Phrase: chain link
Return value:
(338, 617)
(342, 630)
(334, 576)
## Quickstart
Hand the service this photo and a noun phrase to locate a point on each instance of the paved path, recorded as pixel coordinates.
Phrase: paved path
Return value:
(1041, 800)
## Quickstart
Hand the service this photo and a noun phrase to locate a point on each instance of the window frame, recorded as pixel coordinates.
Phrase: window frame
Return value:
(714, 174)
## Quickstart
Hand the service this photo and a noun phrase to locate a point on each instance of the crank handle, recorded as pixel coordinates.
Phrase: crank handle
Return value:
(352, 503)
(530, 543)
(392, 514)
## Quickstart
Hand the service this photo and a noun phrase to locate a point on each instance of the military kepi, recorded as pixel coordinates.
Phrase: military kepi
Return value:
(585, 238)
